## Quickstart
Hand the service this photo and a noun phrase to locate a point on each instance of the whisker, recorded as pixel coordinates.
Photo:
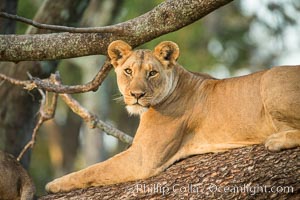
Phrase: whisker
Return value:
(117, 95)
(118, 99)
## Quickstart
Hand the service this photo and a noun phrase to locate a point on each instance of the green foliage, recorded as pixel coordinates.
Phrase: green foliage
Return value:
(26, 8)
(226, 28)
(225, 37)
(39, 166)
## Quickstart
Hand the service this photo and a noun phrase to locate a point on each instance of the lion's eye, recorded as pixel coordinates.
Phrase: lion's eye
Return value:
(152, 73)
(128, 71)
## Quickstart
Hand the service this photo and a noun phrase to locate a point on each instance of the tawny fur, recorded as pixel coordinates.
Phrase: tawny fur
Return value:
(185, 113)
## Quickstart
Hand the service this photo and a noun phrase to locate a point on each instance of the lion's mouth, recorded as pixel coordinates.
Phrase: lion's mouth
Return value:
(142, 102)
(137, 103)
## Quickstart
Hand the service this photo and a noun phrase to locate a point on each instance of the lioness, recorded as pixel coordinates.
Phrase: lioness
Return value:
(184, 113)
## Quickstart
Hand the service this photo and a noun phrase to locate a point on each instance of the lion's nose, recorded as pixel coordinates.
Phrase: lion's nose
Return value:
(137, 95)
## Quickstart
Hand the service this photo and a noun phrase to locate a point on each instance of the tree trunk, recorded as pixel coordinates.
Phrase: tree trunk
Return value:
(8, 26)
(244, 173)
(18, 108)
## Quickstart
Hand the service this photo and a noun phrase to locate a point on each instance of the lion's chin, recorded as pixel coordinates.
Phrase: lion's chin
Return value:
(136, 109)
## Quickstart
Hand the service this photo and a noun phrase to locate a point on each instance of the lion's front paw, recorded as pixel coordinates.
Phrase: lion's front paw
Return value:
(283, 140)
(275, 143)
(53, 187)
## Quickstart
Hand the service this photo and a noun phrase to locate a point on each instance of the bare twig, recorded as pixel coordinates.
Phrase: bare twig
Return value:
(105, 29)
(90, 86)
(90, 118)
(28, 85)
(46, 112)
(45, 84)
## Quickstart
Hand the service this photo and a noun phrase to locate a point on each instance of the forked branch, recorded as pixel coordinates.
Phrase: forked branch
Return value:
(47, 85)
(70, 89)
(47, 110)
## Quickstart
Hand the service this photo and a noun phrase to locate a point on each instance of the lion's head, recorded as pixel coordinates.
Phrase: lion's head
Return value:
(144, 77)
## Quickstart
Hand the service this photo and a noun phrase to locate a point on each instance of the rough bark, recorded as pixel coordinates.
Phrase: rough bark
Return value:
(169, 16)
(18, 108)
(244, 173)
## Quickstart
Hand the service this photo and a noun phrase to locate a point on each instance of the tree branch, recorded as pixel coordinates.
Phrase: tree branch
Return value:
(46, 112)
(15, 102)
(26, 84)
(89, 118)
(167, 17)
(90, 86)
(106, 29)
(45, 84)
(245, 173)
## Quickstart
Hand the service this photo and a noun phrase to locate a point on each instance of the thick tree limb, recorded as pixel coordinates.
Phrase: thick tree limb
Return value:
(167, 17)
(244, 173)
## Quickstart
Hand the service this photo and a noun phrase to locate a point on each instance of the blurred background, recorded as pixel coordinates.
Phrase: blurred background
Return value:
(240, 38)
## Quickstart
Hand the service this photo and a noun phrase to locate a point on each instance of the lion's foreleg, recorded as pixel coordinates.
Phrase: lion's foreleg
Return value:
(120, 168)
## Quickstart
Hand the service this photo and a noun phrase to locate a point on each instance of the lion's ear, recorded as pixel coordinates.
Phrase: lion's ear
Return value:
(167, 52)
(118, 51)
